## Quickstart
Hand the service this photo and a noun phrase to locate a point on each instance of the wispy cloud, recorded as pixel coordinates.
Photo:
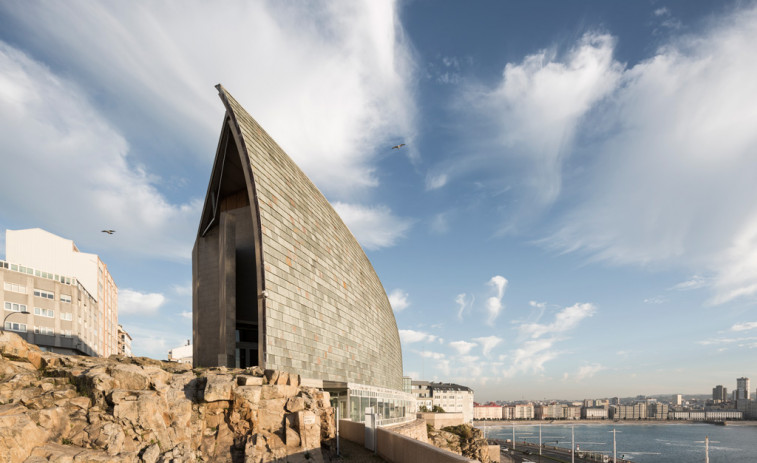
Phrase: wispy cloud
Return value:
(398, 300)
(488, 343)
(349, 57)
(746, 326)
(494, 304)
(434, 182)
(412, 336)
(464, 305)
(695, 282)
(374, 227)
(684, 122)
(431, 355)
(49, 126)
(187, 315)
(565, 320)
(585, 372)
(462, 347)
(540, 102)
(132, 302)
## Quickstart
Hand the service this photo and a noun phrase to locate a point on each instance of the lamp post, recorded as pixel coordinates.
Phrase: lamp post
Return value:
(2, 328)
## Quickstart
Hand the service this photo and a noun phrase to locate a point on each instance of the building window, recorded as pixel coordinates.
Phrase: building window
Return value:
(66, 316)
(14, 287)
(65, 298)
(49, 313)
(44, 294)
(44, 330)
(13, 307)
(66, 333)
(21, 327)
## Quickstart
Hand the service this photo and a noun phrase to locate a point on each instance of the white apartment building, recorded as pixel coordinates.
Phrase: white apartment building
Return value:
(594, 413)
(47, 258)
(182, 354)
(487, 412)
(124, 342)
(451, 397)
(523, 411)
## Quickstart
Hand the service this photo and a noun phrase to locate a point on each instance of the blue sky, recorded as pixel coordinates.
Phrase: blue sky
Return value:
(573, 216)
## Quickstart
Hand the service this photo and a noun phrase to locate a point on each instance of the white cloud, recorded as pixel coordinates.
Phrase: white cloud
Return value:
(531, 357)
(434, 182)
(695, 282)
(412, 336)
(54, 140)
(488, 343)
(187, 315)
(540, 102)
(398, 300)
(655, 300)
(132, 302)
(374, 227)
(683, 125)
(588, 371)
(494, 304)
(431, 355)
(746, 326)
(338, 75)
(440, 223)
(183, 290)
(565, 320)
(537, 305)
(462, 347)
(463, 304)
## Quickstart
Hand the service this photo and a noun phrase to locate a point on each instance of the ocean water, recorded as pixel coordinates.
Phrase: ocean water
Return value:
(645, 443)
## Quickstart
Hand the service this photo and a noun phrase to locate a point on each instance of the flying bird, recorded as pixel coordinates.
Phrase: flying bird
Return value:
(110, 232)
(396, 147)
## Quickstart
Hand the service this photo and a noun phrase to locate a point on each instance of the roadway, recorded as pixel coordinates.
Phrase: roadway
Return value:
(525, 453)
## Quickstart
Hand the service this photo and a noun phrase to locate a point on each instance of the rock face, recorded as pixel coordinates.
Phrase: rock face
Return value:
(463, 440)
(82, 409)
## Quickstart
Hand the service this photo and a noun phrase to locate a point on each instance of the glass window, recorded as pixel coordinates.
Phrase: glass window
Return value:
(15, 326)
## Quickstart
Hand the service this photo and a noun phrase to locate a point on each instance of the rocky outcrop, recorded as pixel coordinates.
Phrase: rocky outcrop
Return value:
(463, 440)
(82, 409)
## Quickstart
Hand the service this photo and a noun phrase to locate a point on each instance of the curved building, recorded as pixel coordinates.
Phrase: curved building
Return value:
(278, 279)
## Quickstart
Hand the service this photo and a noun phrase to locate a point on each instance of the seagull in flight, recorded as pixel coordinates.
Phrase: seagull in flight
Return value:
(396, 147)
(110, 232)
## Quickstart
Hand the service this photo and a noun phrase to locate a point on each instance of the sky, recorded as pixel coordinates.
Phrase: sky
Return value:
(573, 215)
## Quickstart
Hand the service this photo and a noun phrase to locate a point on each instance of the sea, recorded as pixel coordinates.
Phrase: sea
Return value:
(644, 443)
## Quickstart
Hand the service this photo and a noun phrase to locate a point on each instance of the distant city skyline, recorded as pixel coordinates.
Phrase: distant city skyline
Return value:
(571, 213)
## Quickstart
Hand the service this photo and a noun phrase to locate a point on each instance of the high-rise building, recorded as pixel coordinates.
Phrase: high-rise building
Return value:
(48, 253)
(719, 394)
(677, 400)
(742, 389)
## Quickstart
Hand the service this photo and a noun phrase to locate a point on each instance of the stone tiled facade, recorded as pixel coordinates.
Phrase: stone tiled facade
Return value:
(324, 312)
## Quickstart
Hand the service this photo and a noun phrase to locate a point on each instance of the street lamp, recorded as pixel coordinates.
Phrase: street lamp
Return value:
(2, 328)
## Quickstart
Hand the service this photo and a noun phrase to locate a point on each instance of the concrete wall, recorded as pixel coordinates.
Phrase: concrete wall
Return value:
(327, 315)
(494, 453)
(352, 431)
(414, 429)
(440, 420)
(396, 448)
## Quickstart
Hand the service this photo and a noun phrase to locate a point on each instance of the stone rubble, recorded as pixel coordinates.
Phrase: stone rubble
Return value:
(74, 409)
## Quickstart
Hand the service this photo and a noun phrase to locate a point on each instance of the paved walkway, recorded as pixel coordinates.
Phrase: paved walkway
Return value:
(356, 453)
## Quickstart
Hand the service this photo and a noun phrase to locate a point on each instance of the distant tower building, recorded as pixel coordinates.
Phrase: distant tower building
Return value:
(678, 399)
(719, 393)
(742, 389)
